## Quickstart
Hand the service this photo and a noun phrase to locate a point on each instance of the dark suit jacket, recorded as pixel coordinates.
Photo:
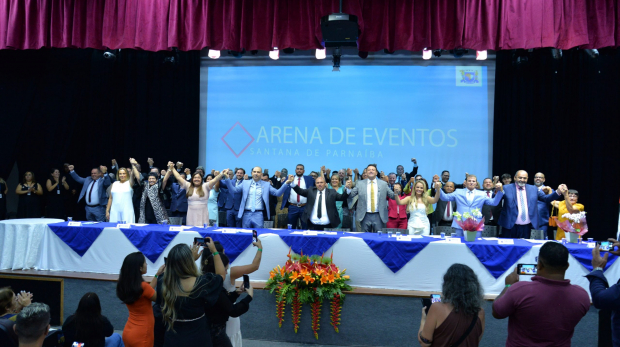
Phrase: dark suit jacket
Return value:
(488, 211)
(309, 183)
(509, 213)
(440, 210)
(230, 201)
(331, 197)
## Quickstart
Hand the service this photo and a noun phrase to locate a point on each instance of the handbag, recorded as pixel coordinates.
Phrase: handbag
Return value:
(553, 220)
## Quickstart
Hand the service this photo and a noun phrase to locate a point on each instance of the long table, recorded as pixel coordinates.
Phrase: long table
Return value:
(371, 260)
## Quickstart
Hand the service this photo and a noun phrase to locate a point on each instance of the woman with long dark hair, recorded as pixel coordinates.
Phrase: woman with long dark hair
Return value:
(87, 325)
(184, 293)
(137, 295)
(449, 321)
(56, 188)
(29, 192)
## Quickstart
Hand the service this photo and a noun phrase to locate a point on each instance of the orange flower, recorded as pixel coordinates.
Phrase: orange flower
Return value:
(337, 274)
(272, 274)
(330, 277)
(282, 271)
(294, 276)
(308, 278)
(346, 277)
(324, 279)
(303, 271)
(319, 271)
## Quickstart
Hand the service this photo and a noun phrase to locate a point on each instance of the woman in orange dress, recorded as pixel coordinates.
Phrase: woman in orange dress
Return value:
(569, 205)
(137, 295)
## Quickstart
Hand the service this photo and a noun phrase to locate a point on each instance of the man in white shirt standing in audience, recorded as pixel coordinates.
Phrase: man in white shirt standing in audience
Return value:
(296, 203)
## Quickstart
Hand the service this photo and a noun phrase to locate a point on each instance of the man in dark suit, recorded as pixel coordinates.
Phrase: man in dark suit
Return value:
(445, 178)
(520, 212)
(543, 207)
(443, 211)
(294, 202)
(402, 177)
(490, 213)
(94, 192)
(320, 211)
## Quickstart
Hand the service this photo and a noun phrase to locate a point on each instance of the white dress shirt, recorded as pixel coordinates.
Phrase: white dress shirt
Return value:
(298, 180)
(376, 189)
(324, 218)
(447, 215)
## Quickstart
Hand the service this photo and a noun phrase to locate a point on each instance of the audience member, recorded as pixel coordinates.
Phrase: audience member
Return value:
(152, 210)
(605, 297)
(233, 199)
(397, 214)
(184, 294)
(273, 200)
(372, 203)
(320, 210)
(89, 326)
(178, 202)
(225, 307)
(443, 212)
(32, 325)
(120, 203)
(458, 320)
(294, 202)
(417, 205)
(29, 192)
(94, 191)
(490, 213)
(469, 198)
(57, 188)
(336, 185)
(214, 216)
(431, 192)
(134, 292)
(255, 198)
(520, 212)
(4, 189)
(569, 205)
(12, 304)
(544, 311)
(506, 179)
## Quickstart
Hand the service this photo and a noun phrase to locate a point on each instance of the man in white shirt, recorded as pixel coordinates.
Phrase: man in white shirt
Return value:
(296, 203)
(320, 211)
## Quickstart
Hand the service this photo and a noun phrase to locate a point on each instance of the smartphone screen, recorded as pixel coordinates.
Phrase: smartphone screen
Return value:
(605, 246)
(255, 235)
(246, 281)
(199, 240)
(435, 298)
(527, 269)
(165, 260)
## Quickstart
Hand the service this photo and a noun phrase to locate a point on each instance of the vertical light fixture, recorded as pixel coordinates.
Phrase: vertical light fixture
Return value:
(427, 54)
(214, 54)
(274, 54)
(481, 55)
(320, 54)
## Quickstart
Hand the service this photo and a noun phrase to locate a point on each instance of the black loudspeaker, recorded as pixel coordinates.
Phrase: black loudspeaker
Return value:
(339, 30)
(46, 290)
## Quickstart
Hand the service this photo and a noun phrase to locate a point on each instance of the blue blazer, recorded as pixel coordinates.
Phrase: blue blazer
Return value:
(510, 211)
(178, 199)
(232, 200)
(463, 205)
(543, 211)
(103, 184)
(309, 184)
(244, 189)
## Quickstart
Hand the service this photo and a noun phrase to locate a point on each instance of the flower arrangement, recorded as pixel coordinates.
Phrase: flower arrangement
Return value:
(575, 223)
(308, 280)
(469, 221)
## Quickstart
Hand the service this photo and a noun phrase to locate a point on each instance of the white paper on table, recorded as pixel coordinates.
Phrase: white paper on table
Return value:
(245, 231)
(124, 226)
(536, 241)
(297, 233)
(490, 238)
(434, 236)
(139, 225)
(228, 230)
(505, 242)
(328, 232)
(74, 224)
(591, 244)
(175, 229)
(453, 240)
(417, 236)
(310, 233)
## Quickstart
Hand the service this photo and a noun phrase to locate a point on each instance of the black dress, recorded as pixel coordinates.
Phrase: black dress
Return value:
(55, 206)
(226, 306)
(194, 330)
(29, 204)
(2, 201)
(71, 334)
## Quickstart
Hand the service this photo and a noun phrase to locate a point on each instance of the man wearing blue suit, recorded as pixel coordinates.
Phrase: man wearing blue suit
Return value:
(520, 212)
(470, 198)
(232, 200)
(295, 202)
(543, 207)
(255, 198)
(94, 191)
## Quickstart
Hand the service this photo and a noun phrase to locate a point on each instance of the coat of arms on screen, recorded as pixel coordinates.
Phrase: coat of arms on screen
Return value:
(468, 76)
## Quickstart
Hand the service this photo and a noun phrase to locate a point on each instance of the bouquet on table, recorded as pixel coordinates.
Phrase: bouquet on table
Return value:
(308, 280)
(574, 226)
(469, 223)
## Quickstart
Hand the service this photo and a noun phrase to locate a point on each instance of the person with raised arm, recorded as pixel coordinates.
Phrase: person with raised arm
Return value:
(120, 202)
(152, 209)
(417, 204)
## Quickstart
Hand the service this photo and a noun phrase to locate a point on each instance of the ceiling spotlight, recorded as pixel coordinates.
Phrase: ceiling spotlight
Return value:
(336, 59)
(109, 54)
(437, 53)
(481, 55)
(214, 54)
(274, 54)
(320, 53)
(427, 54)
(459, 52)
(556, 53)
(593, 53)
(362, 54)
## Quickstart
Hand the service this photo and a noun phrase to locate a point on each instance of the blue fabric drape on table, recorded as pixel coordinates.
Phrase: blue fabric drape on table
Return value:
(234, 244)
(498, 258)
(79, 239)
(395, 254)
(310, 245)
(151, 239)
(583, 254)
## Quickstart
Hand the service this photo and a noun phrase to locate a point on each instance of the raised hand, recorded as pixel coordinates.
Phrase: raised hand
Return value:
(103, 169)
(435, 178)
(70, 167)
(213, 172)
(150, 161)
(179, 165)
(245, 177)
(114, 162)
(290, 179)
(171, 165)
(187, 171)
(225, 173)
(414, 161)
(495, 179)
(64, 179)
(132, 161)
(356, 171)
(216, 173)
(277, 174)
(327, 172)
(323, 168)
(348, 184)
(499, 187)
(546, 189)
(349, 172)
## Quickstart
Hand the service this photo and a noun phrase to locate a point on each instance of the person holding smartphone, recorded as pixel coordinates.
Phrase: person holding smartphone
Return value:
(604, 296)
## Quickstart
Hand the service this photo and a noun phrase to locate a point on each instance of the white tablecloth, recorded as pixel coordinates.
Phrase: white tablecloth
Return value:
(424, 272)
(20, 242)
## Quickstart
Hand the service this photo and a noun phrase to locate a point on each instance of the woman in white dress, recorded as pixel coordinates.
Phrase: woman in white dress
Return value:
(213, 195)
(120, 203)
(417, 204)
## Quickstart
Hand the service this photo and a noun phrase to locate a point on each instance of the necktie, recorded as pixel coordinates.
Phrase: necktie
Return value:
(522, 203)
(319, 213)
(372, 196)
(238, 181)
(91, 191)
(448, 210)
(489, 194)
(299, 185)
(254, 197)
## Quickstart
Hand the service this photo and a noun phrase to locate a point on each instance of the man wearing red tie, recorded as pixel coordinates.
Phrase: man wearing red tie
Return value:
(295, 202)
(491, 213)
(443, 212)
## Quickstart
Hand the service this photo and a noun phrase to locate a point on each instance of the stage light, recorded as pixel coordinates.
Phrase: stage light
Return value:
(237, 54)
(437, 53)
(274, 54)
(336, 59)
(109, 54)
(362, 54)
(427, 54)
(214, 54)
(171, 57)
(556, 53)
(459, 52)
(481, 55)
(320, 54)
(593, 53)
(521, 56)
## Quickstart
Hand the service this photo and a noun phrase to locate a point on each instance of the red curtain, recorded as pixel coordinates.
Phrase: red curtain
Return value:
(237, 24)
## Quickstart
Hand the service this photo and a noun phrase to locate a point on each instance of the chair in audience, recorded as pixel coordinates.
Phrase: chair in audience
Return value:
(537, 234)
(489, 231)
(7, 335)
(443, 229)
(267, 224)
(395, 230)
(176, 220)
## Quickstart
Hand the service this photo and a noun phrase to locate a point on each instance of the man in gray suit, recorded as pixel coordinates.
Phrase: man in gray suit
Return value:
(372, 207)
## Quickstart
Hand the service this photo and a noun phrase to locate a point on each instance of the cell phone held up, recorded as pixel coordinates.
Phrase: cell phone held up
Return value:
(605, 246)
(527, 269)
(246, 281)
(201, 241)
(428, 302)
(255, 236)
